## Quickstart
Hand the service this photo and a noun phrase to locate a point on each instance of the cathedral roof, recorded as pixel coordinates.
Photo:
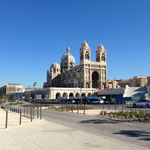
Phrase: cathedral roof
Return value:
(101, 47)
(85, 44)
(67, 57)
(55, 65)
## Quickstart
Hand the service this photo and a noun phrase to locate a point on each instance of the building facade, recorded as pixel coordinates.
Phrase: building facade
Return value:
(56, 92)
(87, 74)
(135, 82)
(11, 88)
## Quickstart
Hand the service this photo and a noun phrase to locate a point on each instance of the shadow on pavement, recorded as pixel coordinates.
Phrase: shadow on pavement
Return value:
(143, 135)
(101, 121)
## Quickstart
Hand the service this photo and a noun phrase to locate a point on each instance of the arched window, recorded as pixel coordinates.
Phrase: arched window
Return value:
(97, 57)
(81, 55)
(87, 85)
(87, 55)
(103, 57)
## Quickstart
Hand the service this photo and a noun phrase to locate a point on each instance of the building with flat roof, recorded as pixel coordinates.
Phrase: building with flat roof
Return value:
(127, 92)
(55, 92)
(11, 88)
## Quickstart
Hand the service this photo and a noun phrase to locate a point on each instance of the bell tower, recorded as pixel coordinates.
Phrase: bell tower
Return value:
(101, 54)
(85, 53)
(101, 59)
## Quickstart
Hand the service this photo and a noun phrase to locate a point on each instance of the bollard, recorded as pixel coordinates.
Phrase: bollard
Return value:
(103, 106)
(27, 110)
(62, 107)
(84, 109)
(130, 106)
(72, 107)
(77, 108)
(115, 105)
(24, 110)
(20, 117)
(40, 113)
(37, 112)
(66, 108)
(122, 106)
(108, 105)
(6, 119)
(80, 108)
(31, 113)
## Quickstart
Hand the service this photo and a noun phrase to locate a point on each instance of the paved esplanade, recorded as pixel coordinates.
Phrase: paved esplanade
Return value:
(59, 134)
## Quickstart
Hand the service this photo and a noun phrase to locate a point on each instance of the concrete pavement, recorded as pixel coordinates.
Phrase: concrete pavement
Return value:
(44, 135)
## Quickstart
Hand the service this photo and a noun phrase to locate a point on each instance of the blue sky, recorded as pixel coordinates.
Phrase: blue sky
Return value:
(35, 33)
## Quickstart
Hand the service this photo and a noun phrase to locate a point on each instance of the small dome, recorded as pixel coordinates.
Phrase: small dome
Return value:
(85, 44)
(101, 47)
(67, 57)
(55, 65)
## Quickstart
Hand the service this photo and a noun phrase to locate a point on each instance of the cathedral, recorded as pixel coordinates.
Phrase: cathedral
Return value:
(87, 74)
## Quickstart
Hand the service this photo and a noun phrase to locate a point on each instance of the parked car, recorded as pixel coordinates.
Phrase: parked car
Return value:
(97, 102)
(142, 103)
(93, 100)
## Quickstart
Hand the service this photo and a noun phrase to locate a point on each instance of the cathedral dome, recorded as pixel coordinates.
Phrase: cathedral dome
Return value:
(55, 66)
(101, 47)
(68, 57)
(85, 44)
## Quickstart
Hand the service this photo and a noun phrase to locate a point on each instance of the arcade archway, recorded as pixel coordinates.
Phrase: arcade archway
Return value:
(58, 95)
(65, 95)
(71, 95)
(95, 78)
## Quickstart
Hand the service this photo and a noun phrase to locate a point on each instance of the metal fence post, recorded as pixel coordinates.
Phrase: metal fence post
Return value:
(40, 113)
(130, 106)
(24, 110)
(6, 119)
(108, 105)
(66, 108)
(62, 106)
(20, 117)
(122, 106)
(115, 105)
(37, 112)
(72, 107)
(27, 110)
(77, 108)
(31, 113)
(84, 109)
